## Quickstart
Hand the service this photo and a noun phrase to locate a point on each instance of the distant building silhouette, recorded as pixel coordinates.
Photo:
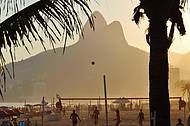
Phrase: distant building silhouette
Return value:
(174, 76)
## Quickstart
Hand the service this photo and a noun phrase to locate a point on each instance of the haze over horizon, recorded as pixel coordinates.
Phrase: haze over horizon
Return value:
(71, 74)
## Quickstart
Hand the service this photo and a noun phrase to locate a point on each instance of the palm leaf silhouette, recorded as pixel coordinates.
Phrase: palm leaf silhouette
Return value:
(184, 85)
(11, 5)
(54, 17)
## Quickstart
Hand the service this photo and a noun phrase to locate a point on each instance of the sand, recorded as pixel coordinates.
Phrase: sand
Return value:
(128, 118)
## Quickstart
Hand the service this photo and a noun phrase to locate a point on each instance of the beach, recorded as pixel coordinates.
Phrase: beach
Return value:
(128, 118)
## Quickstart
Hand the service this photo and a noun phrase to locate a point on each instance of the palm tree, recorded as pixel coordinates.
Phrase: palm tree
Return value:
(55, 18)
(158, 13)
(185, 88)
(22, 25)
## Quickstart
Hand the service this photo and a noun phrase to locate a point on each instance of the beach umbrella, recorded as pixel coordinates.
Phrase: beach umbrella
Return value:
(4, 107)
(37, 105)
(121, 101)
(28, 105)
(17, 112)
(3, 114)
(10, 112)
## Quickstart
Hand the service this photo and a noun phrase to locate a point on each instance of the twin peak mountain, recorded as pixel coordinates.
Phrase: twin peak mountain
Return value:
(74, 75)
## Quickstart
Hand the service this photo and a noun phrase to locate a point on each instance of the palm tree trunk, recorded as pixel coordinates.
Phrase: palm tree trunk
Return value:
(158, 73)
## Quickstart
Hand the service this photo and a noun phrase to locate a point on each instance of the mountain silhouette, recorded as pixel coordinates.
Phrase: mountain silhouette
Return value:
(79, 72)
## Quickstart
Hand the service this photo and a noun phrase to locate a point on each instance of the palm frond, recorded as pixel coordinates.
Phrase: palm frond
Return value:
(54, 17)
(176, 17)
(137, 14)
(11, 6)
(60, 13)
(184, 3)
(184, 85)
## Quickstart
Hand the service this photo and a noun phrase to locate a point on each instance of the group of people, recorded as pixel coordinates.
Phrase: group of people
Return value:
(75, 117)
(14, 122)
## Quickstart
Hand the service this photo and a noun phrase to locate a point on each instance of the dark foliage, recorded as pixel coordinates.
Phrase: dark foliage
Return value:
(8, 6)
(175, 16)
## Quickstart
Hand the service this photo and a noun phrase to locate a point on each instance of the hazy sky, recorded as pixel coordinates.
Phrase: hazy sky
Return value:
(122, 10)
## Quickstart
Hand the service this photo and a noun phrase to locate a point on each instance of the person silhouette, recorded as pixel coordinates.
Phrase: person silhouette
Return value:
(74, 117)
(179, 123)
(95, 115)
(141, 117)
(28, 122)
(15, 123)
(118, 120)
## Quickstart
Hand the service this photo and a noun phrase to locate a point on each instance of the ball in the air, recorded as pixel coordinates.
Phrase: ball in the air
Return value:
(92, 62)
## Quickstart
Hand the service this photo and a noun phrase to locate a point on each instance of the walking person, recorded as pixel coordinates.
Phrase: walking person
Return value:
(141, 117)
(118, 120)
(74, 117)
(95, 115)
(179, 123)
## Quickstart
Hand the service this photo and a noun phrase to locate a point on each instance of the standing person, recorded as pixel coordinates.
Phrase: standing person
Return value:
(64, 111)
(6, 123)
(15, 122)
(28, 123)
(118, 120)
(141, 117)
(74, 117)
(89, 112)
(95, 115)
(179, 123)
(188, 121)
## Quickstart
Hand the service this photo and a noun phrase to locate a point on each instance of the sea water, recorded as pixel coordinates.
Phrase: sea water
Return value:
(14, 104)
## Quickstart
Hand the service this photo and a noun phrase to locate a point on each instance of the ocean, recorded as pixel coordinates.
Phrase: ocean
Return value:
(15, 104)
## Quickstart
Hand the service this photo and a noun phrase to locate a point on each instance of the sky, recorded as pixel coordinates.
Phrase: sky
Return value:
(122, 11)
